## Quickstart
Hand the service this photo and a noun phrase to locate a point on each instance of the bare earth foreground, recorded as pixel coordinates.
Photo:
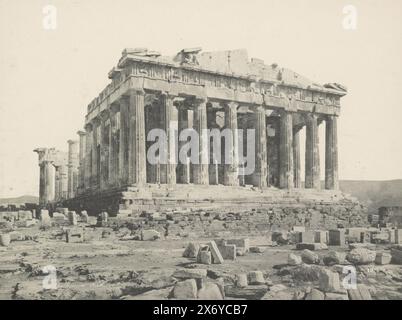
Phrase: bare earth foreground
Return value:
(111, 264)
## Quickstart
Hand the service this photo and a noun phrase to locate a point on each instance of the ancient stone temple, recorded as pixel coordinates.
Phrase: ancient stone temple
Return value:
(108, 168)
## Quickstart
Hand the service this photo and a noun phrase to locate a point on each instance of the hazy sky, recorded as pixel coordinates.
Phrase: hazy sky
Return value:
(48, 77)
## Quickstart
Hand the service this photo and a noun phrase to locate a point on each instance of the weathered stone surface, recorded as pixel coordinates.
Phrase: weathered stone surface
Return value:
(336, 296)
(190, 273)
(149, 235)
(336, 237)
(299, 228)
(367, 245)
(321, 236)
(361, 256)
(255, 278)
(228, 252)
(216, 254)
(240, 251)
(254, 292)
(72, 218)
(5, 239)
(396, 254)
(279, 292)
(334, 257)
(307, 237)
(84, 216)
(191, 250)
(306, 272)
(210, 291)
(294, 259)
(315, 294)
(204, 257)
(310, 257)
(44, 215)
(241, 280)
(329, 281)
(280, 237)
(310, 246)
(257, 249)
(360, 293)
(382, 258)
(185, 290)
(242, 242)
(398, 236)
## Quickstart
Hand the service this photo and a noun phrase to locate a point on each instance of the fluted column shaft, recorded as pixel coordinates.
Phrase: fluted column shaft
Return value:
(331, 154)
(231, 171)
(57, 194)
(104, 145)
(88, 157)
(81, 157)
(63, 181)
(260, 175)
(113, 148)
(184, 123)
(137, 152)
(49, 179)
(96, 137)
(169, 117)
(296, 158)
(124, 138)
(285, 151)
(200, 171)
(73, 160)
(312, 162)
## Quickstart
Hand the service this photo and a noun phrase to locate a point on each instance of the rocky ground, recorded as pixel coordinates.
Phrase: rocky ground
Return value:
(114, 263)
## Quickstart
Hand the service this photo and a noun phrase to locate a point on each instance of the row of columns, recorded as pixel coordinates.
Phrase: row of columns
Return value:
(112, 150)
(59, 173)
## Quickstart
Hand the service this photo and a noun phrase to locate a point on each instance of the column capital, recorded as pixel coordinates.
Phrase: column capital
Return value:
(114, 108)
(81, 133)
(95, 121)
(70, 142)
(137, 91)
(104, 115)
(88, 126)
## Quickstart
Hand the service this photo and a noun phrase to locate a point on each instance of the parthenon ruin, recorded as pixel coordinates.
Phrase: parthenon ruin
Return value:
(107, 168)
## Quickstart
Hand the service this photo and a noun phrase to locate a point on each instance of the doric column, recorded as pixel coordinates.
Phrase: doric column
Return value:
(88, 157)
(260, 175)
(114, 146)
(63, 181)
(137, 152)
(49, 191)
(104, 144)
(81, 168)
(213, 168)
(285, 151)
(42, 184)
(124, 135)
(96, 137)
(331, 154)
(73, 161)
(231, 172)
(200, 126)
(57, 194)
(312, 153)
(169, 117)
(184, 123)
(296, 158)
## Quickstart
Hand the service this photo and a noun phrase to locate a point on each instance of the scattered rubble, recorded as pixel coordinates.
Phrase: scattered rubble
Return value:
(298, 264)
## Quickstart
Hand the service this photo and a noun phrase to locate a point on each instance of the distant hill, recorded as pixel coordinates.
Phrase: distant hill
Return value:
(19, 200)
(374, 194)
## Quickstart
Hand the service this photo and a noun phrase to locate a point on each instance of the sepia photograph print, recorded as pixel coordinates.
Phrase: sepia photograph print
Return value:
(200, 150)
